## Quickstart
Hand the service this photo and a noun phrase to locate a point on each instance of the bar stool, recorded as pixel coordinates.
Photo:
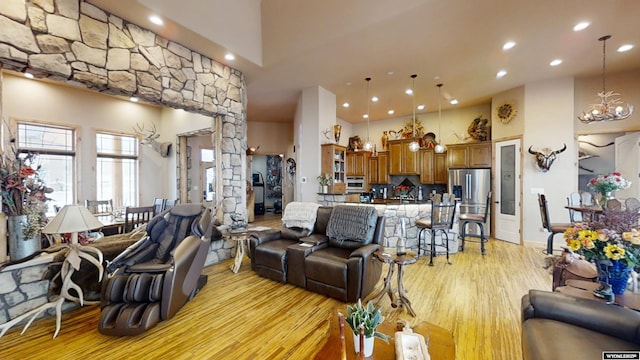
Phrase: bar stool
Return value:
(478, 219)
(442, 218)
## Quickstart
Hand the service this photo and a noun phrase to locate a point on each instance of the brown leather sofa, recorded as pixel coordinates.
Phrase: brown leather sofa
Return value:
(344, 269)
(559, 326)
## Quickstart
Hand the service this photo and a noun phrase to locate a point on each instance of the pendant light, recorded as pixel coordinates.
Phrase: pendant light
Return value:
(439, 148)
(414, 145)
(609, 108)
(367, 145)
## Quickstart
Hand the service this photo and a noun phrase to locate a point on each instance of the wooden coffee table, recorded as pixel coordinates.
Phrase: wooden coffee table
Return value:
(439, 341)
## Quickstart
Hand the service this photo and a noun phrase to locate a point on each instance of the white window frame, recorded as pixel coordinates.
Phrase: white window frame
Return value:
(120, 199)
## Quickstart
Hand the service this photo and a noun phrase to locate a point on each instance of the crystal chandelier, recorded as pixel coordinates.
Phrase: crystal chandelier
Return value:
(367, 145)
(610, 108)
(439, 148)
(414, 145)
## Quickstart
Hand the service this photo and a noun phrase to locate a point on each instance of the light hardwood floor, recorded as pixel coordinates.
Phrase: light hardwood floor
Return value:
(243, 316)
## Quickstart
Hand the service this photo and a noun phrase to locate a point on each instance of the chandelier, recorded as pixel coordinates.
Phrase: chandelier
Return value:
(440, 148)
(610, 107)
(414, 145)
(367, 145)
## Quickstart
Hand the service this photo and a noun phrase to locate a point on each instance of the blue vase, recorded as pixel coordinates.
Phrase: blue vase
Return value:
(614, 273)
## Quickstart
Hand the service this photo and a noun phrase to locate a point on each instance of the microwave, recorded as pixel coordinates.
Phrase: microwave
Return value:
(355, 184)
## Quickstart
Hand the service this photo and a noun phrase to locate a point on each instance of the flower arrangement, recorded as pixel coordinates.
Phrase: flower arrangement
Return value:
(403, 189)
(325, 179)
(609, 182)
(612, 237)
(23, 190)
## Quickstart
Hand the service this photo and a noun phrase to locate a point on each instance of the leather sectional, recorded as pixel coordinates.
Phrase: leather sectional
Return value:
(335, 266)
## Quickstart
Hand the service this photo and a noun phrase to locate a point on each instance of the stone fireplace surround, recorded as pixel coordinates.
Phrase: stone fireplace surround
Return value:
(79, 44)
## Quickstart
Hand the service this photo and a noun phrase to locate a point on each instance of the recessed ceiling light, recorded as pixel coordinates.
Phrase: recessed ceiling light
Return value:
(581, 26)
(374, 99)
(501, 74)
(408, 92)
(156, 20)
(555, 62)
(133, 99)
(390, 112)
(365, 116)
(625, 47)
(389, 73)
(348, 84)
(345, 105)
(229, 56)
(421, 107)
(508, 45)
(453, 102)
(28, 75)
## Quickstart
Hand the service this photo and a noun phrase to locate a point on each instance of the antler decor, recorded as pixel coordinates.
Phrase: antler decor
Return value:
(149, 139)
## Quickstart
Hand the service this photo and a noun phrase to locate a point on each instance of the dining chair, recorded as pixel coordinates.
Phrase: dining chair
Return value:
(632, 204)
(553, 228)
(586, 198)
(479, 220)
(158, 205)
(99, 207)
(442, 219)
(135, 216)
(574, 199)
(614, 205)
(169, 203)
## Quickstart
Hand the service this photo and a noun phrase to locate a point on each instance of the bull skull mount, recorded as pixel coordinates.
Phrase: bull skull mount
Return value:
(545, 157)
(149, 138)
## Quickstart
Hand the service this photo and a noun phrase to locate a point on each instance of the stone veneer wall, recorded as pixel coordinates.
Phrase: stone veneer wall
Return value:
(79, 44)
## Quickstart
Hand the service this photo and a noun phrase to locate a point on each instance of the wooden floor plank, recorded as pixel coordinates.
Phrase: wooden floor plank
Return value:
(243, 316)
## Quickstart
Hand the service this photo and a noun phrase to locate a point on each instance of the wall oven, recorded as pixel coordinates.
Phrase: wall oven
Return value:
(356, 184)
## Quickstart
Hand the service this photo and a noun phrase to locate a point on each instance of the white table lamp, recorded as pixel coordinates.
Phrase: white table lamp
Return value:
(72, 219)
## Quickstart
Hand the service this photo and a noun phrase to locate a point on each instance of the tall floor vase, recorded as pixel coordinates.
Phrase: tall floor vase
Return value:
(19, 246)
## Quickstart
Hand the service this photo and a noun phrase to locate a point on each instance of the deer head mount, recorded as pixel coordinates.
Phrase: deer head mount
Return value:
(149, 139)
(545, 157)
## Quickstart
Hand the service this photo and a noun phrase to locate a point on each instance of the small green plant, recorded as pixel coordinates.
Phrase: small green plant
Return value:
(325, 179)
(370, 316)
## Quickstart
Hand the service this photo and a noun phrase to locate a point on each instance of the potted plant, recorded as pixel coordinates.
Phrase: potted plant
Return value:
(325, 180)
(370, 317)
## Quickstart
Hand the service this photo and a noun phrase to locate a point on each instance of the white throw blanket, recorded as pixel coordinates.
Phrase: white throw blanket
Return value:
(300, 214)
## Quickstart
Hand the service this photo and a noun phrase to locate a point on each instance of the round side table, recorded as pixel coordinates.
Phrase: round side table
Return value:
(398, 295)
(241, 237)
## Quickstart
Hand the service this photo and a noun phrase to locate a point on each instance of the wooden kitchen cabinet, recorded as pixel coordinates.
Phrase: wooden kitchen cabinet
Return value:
(357, 163)
(433, 167)
(334, 163)
(402, 161)
(474, 155)
(441, 176)
(378, 169)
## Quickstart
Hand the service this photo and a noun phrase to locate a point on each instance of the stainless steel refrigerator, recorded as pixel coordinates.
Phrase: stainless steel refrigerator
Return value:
(471, 187)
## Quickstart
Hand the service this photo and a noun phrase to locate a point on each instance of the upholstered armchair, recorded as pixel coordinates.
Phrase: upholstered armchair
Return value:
(150, 281)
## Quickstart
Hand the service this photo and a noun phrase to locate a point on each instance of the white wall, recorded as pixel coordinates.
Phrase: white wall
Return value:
(88, 111)
(453, 122)
(548, 117)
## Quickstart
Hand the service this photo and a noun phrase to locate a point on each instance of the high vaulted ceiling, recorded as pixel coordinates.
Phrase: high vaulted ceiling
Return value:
(336, 44)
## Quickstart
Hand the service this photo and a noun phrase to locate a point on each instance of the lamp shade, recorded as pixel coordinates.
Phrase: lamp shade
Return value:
(71, 219)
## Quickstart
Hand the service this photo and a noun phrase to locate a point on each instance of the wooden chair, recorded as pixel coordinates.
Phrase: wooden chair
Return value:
(478, 219)
(614, 205)
(137, 216)
(98, 207)
(158, 205)
(553, 228)
(442, 218)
